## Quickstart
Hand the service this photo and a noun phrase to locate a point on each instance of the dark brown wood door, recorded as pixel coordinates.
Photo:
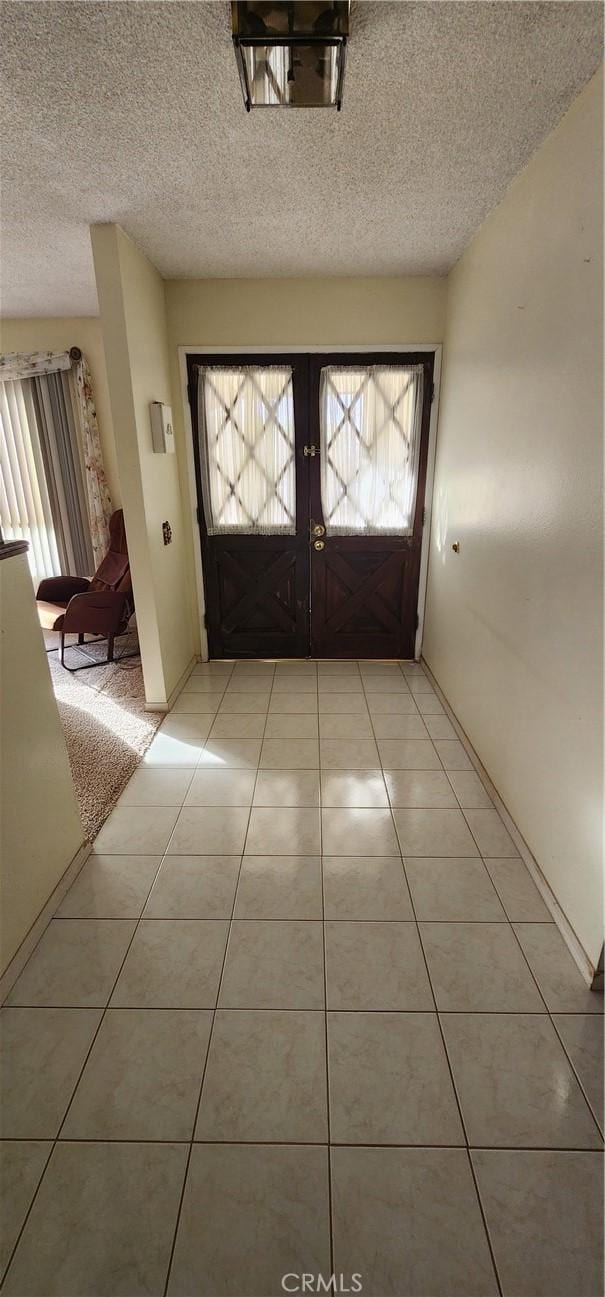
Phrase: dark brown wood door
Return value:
(311, 474)
(253, 494)
(367, 484)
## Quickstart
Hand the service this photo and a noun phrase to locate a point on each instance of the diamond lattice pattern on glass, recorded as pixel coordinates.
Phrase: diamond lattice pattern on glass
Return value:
(370, 442)
(246, 420)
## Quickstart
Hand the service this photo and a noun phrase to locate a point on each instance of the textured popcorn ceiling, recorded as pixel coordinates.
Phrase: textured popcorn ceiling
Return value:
(132, 112)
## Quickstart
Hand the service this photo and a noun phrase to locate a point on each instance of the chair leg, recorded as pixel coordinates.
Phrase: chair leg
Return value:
(62, 655)
(110, 640)
(80, 639)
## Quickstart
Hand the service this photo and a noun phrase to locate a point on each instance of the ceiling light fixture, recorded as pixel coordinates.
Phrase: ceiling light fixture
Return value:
(291, 55)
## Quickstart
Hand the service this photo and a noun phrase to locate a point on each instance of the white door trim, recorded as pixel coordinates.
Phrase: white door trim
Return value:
(184, 351)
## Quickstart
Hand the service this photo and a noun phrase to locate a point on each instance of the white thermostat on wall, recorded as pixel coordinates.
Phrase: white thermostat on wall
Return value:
(162, 431)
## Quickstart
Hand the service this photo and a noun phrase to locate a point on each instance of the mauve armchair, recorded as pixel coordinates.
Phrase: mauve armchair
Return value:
(103, 606)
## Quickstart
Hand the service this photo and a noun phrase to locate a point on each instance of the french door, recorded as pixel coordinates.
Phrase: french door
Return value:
(311, 473)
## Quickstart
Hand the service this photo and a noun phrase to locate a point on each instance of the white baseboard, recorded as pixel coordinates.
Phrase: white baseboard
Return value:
(30, 941)
(568, 934)
(165, 707)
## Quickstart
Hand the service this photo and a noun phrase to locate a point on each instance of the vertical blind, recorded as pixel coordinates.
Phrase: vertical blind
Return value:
(42, 490)
(24, 500)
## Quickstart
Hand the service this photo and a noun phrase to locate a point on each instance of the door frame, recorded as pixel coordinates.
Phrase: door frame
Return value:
(436, 348)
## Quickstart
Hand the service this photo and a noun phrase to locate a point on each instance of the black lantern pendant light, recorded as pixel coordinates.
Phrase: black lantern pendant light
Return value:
(291, 55)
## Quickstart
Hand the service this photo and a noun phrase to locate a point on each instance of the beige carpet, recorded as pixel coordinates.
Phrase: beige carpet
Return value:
(107, 729)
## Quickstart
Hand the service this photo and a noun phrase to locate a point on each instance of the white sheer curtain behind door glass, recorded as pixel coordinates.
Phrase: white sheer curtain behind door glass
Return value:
(370, 419)
(246, 433)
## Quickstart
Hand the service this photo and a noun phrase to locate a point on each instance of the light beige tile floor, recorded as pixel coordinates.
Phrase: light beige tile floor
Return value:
(303, 1011)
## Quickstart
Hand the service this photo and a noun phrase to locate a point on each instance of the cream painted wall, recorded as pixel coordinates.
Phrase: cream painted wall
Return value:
(290, 313)
(133, 316)
(300, 312)
(514, 621)
(59, 334)
(40, 824)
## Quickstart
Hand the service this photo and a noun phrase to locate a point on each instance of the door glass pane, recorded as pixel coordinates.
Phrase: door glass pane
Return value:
(246, 422)
(370, 442)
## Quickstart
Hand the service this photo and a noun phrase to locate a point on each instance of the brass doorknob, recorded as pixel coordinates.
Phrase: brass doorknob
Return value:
(317, 529)
(318, 544)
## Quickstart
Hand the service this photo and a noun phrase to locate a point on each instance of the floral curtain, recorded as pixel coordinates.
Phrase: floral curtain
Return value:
(17, 365)
(97, 490)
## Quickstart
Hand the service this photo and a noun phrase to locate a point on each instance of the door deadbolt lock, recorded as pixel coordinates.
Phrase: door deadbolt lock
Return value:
(317, 529)
(318, 544)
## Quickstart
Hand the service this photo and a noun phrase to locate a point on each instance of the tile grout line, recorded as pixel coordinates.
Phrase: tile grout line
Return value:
(297, 1143)
(132, 806)
(393, 823)
(454, 1088)
(418, 933)
(597, 1017)
(325, 975)
(199, 1098)
(15, 1139)
(498, 860)
(458, 1105)
(182, 807)
(277, 855)
(215, 711)
(303, 769)
(226, 1008)
(210, 1036)
(554, 1028)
